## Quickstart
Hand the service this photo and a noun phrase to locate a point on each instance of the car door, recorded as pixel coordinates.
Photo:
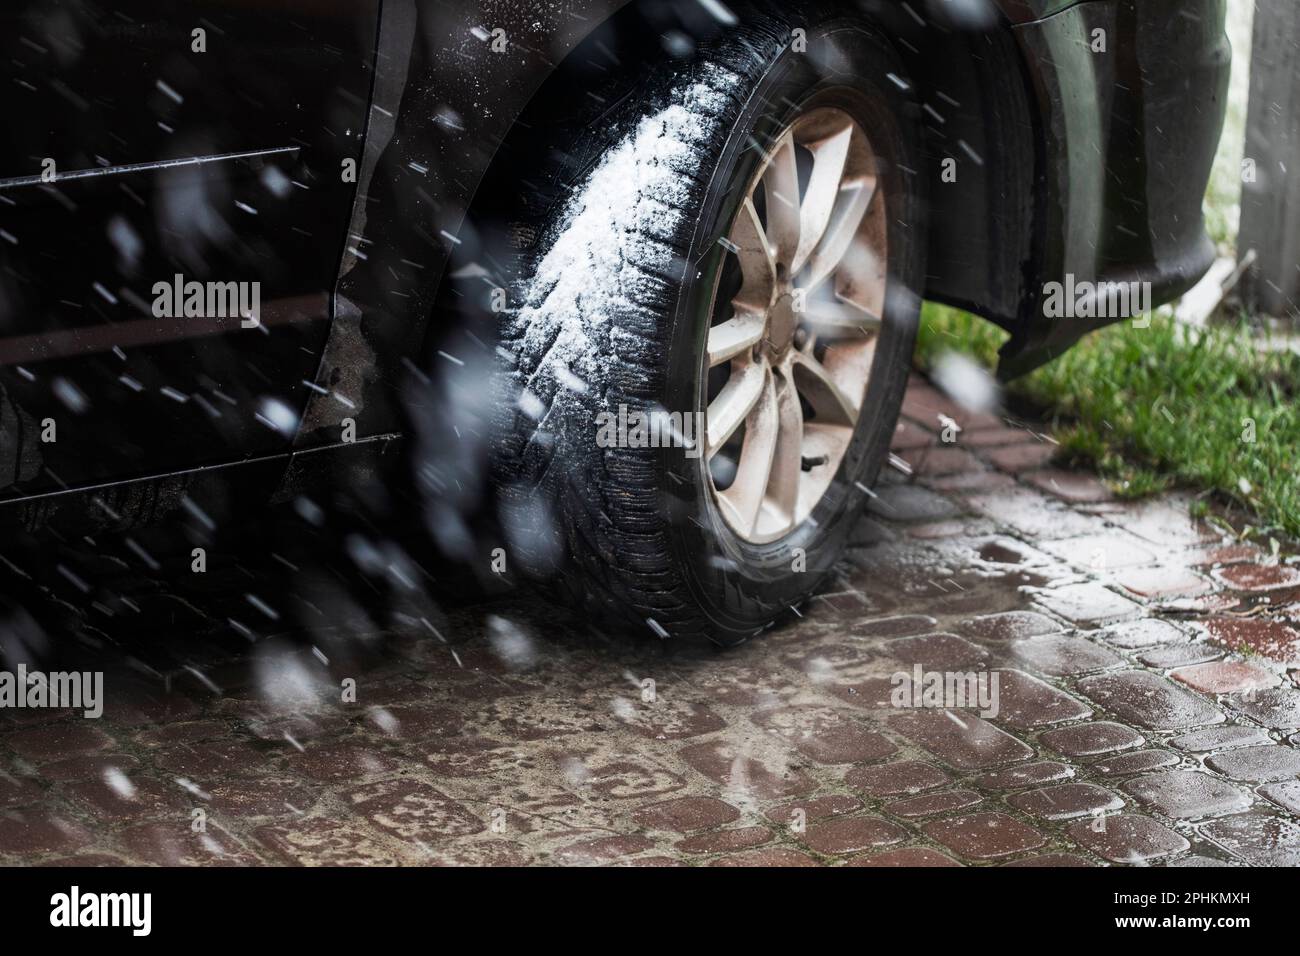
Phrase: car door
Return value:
(153, 148)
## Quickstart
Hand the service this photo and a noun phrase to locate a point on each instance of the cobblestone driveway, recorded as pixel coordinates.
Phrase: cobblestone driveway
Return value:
(1146, 714)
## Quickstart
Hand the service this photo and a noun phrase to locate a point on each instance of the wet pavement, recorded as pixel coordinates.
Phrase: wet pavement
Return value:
(1146, 712)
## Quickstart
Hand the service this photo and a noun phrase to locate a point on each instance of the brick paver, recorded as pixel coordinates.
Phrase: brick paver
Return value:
(1145, 713)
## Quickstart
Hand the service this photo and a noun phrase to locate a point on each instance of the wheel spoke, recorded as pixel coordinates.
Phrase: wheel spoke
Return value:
(831, 405)
(754, 471)
(787, 467)
(851, 205)
(757, 267)
(737, 335)
(736, 400)
(838, 318)
(829, 159)
(799, 338)
(781, 186)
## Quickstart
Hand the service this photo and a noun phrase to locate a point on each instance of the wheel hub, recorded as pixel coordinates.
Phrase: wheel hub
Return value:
(795, 320)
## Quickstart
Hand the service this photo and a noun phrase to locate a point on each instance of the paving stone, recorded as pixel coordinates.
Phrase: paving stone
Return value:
(911, 503)
(952, 528)
(1260, 838)
(940, 459)
(985, 836)
(908, 436)
(1001, 550)
(1285, 794)
(40, 830)
(768, 856)
(1225, 677)
(18, 791)
(1138, 761)
(412, 811)
(1127, 838)
(1277, 709)
(1032, 514)
(1270, 639)
(340, 761)
(1076, 487)
(932, 803)
(1265, 764)
(725, 841)
(1187, 794)
(265, 796)
(1147, 632)
(1087, 605)
(1092, 739)
(1008, 626)
(1102, 552)
(818, 808)
(1025, 456)
(1149, 701)
(892, 779)
(1162, 582)
(995, 437)
(165, 844)
(1026, 775)
(852, 834)
(722, 763)
(1051, 860)
(89, 766)
(912, 856)
(1217, 554)
(1199, 861)
(825, 735)
(1063, 656)
(1258, 577)
(960, 739)
(1066, 801)
(1025, 702)
(971, 481)
(602, 850)
(58, 741)
(928, 406)
(1220, 738)
(125, 798)
(1166, 522)
(900, 625)
(938, 652)
(1179, 655)
(685, 814)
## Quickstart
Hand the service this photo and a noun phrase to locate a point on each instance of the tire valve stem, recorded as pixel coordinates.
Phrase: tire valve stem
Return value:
(809, 464)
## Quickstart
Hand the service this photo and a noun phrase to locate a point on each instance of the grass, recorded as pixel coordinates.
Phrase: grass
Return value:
(1151, 407)
(1163, 405)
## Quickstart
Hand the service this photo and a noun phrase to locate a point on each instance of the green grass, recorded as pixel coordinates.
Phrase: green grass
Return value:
(1151, 407)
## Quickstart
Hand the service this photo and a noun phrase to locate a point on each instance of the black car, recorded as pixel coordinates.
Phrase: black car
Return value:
(636, 282)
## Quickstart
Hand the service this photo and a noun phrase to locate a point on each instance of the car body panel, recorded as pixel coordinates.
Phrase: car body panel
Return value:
(137, 150)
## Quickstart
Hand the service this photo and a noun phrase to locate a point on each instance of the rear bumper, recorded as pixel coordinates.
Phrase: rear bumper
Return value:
(1129, 138)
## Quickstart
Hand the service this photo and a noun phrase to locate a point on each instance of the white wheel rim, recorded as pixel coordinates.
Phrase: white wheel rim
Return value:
(798, 337)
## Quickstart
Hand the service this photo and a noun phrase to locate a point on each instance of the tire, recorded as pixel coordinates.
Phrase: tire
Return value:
(621, 260)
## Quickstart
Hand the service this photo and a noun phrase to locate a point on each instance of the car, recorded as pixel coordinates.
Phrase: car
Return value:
(618, 296)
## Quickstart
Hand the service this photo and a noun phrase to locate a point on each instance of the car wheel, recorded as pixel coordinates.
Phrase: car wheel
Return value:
(714, 329)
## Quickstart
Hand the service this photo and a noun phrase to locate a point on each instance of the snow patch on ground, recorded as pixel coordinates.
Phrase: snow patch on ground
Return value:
(633, 196)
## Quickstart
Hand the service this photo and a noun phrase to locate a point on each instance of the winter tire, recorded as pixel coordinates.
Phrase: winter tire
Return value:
(731, 260)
